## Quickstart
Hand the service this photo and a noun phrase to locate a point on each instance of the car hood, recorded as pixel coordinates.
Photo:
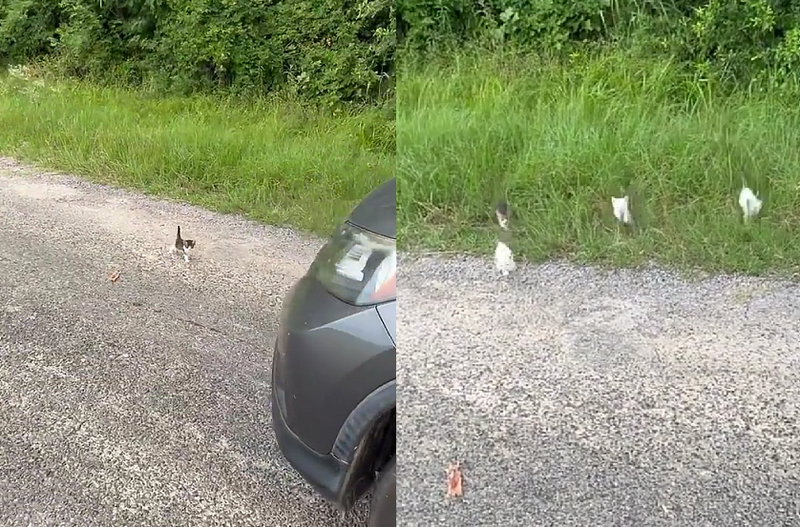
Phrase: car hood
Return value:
(378, 211)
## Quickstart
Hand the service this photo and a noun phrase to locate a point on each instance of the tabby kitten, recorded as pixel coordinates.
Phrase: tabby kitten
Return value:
(182, 245)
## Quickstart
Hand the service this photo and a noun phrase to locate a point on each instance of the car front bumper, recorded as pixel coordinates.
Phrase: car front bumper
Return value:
(324, 472)
(333, 375)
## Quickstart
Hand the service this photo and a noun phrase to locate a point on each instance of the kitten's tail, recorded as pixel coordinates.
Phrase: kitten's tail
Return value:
(179, 231)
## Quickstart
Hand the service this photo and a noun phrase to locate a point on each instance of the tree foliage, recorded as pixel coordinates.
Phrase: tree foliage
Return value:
(740, 41)
(328, 50)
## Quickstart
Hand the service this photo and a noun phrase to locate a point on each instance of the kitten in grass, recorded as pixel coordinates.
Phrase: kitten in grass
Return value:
(502, 214)
(503, 256)
(182, 245)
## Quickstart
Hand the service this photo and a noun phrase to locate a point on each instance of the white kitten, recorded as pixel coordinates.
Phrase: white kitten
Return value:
(621, 210)
(749, 203)
(504, 258)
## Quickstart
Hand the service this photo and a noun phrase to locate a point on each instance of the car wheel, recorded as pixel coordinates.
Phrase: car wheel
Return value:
(383, 508)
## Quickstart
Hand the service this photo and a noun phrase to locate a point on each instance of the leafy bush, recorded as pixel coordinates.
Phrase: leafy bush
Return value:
(738, 42)
(27, 28)
(326, 50)
(533, 23)
(746, 40)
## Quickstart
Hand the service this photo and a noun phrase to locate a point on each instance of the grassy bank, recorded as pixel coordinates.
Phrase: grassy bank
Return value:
(558, 140)
(274, 161)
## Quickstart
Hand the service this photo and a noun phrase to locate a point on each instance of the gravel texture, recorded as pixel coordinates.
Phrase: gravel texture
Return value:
(580, 397)
(572, 396)
(143, 401)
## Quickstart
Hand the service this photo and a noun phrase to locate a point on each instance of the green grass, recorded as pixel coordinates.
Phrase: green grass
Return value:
(273, 161)
(558, 140)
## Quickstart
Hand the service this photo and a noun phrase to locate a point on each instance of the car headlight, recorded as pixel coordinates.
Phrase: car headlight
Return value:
(358, 266)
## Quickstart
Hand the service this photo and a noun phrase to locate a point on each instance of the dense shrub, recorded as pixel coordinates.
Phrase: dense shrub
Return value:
(328, 50)
(736, 41)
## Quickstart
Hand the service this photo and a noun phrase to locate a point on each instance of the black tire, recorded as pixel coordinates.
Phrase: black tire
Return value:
(383, 508)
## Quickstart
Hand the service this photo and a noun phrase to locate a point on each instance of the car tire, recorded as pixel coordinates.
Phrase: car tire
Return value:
(383, 507)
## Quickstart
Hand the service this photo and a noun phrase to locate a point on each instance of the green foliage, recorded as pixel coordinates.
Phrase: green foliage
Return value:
(326, 50)
(736, 42)
(531, 23)
(559, 137)
(744, 39)
(27, 28)
(276, 161)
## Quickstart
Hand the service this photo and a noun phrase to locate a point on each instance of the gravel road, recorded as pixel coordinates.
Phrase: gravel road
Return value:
(572, 397)
(579, 397)
(145, 401)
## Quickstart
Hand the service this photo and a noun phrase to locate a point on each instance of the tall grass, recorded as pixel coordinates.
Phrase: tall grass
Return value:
(274, 161)
(559, 139)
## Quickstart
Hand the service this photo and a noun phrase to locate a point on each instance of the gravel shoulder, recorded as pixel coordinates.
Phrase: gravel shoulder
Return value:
(579, 397)
(572, 396)
(143, 401)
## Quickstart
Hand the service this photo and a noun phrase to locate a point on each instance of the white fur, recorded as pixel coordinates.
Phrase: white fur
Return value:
(502, 220)
(173, 250)
(749, 203)
(621, 210)
(504, 259)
